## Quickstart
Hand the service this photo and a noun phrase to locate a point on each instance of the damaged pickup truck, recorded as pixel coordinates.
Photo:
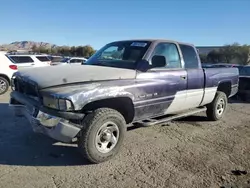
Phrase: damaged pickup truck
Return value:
(125, 82)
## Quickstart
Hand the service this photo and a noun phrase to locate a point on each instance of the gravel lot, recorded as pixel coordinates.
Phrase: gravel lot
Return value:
(191, 152)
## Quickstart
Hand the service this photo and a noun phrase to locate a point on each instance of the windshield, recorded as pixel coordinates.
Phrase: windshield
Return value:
(123, 54)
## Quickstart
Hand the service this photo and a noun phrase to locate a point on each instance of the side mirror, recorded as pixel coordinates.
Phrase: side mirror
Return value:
(142, 65)
(158, 61)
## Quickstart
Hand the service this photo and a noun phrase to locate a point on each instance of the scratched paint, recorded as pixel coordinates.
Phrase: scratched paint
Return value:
(154, 92)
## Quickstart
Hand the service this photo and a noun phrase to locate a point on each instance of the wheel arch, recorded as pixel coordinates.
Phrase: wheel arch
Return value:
(6, 77)
(225, 86)
(123, 105)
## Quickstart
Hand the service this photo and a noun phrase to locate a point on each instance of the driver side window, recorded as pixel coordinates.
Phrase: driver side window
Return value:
(171, 54)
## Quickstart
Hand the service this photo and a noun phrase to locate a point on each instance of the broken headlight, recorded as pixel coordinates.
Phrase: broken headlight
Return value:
(59, 104)
(64, 104)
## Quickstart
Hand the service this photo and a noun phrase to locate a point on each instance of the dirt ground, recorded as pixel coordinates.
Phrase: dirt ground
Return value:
(191, 152)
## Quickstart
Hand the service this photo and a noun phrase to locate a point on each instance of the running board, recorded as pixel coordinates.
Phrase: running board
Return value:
(155, 121)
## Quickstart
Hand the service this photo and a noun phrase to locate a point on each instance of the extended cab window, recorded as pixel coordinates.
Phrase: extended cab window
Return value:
(170, 52)
(189, 56)
(21, 59)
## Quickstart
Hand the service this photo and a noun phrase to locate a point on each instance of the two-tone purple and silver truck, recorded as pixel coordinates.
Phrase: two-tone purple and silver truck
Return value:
(130, 81)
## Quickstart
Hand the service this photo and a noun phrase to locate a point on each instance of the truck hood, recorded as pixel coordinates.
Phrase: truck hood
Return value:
(60, 75)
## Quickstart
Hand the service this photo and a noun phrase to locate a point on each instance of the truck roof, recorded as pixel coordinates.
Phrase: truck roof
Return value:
(157, 40)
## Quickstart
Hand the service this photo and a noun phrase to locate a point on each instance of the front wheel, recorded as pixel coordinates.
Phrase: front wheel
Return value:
(4, 85)
(102, 135)
(216, 109)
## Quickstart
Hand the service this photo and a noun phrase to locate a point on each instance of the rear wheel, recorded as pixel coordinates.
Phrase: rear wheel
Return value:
(4, 85)
(217, 108)
(102, 135)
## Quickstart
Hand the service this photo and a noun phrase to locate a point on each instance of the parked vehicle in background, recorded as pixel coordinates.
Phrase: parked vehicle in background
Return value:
(244, 83)
(61, 62)
(43, 58)
(77, 60)
(55, 58)
(207, 65)
(244, 70)
(29, 61)
(218, 65)
(71, 61)
(131, 81)
(7, 69)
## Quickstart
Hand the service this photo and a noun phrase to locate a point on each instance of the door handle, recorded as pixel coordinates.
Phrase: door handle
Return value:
(32, 64)
(183, 77)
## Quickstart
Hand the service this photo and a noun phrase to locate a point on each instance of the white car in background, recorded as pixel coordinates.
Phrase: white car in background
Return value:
(71, 61)
(77, 60)
(29, 61)
(7, 69)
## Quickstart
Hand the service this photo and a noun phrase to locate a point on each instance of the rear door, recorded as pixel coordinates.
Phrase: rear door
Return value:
(195, 76)
(22, 61)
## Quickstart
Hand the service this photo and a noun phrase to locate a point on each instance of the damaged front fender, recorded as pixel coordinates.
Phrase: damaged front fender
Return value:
(83, 94)
(83, 98)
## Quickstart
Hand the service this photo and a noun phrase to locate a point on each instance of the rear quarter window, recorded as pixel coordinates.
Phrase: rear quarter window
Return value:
(43, 58)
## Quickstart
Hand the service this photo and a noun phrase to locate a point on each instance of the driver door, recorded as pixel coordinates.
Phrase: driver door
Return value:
(164, 91)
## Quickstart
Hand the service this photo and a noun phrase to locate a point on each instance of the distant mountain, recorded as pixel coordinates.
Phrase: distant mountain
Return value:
(25, 45)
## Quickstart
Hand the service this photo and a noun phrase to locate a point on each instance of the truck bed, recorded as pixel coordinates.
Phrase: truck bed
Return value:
(219, 77)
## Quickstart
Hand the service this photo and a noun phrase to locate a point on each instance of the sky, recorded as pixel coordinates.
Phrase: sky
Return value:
(97, 22)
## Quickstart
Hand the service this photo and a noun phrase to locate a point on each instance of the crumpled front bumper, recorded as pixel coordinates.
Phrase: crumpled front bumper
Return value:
(55, 127)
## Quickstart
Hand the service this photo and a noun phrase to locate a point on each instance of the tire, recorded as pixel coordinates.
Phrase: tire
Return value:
(4, 85)
(93, 135)
(213, 113)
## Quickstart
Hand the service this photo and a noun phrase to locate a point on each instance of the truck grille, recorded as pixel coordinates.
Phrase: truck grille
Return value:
(26, 87)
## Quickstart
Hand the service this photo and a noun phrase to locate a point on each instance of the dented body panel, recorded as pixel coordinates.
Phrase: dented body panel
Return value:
(153, 93)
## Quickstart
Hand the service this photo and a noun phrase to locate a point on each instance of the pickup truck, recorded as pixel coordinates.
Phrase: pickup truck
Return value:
(125, 82)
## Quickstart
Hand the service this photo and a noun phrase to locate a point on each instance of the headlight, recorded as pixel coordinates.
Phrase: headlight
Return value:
(60, 104)
(65, 104)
